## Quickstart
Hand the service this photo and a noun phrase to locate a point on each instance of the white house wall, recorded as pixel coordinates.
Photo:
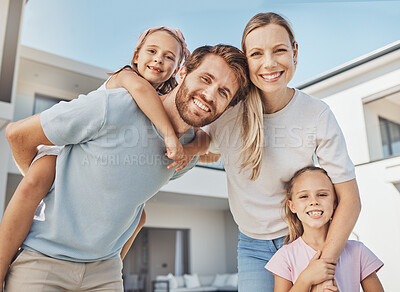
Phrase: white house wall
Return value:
(357, 75)
(348, 108)
(378, 225)
(200, 181)
(3, 22)
(207, 234)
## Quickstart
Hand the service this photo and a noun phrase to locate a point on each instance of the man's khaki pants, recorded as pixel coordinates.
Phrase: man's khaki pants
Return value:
(35, 272)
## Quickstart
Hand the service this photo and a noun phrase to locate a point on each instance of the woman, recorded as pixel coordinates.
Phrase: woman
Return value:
(264, 140)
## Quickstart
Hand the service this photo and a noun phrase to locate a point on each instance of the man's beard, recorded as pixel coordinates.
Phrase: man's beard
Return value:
(182, 100)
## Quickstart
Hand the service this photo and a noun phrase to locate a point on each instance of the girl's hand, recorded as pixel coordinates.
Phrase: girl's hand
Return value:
(326, 286)
(319, 270)
(174, 147)
(183, 162)
(331, 286)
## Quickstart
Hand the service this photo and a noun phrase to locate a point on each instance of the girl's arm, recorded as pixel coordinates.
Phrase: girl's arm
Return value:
(197, 147)
(283, 285)
(20, 211)
(150, 103)
(317, 271)
(372, 284)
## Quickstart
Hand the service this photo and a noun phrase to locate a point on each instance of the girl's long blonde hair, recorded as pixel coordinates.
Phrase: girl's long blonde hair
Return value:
(252, 106)
(295, 226)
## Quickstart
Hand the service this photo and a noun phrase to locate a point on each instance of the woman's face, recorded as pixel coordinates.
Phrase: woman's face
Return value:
(271, 58)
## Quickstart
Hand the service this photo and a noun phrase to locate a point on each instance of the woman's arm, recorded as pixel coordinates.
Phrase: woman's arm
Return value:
(372, 284)
(18, 216)
(150, 103)
(344, 219)
(317, 271)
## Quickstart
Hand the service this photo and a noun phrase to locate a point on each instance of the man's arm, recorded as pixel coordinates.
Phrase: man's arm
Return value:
(24, 136)
(128, 244)
(344, 219)
(209, 157)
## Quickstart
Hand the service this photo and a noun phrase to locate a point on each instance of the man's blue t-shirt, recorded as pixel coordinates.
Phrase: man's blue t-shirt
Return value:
(113, 162)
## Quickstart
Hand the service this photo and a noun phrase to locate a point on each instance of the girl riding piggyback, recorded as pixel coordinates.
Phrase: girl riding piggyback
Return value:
(309, 206)
(156, 60)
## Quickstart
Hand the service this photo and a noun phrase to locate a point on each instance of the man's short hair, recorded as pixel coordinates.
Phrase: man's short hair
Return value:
(235, 59)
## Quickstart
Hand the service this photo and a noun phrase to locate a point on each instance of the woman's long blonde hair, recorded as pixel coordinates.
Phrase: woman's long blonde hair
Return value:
(252, 106)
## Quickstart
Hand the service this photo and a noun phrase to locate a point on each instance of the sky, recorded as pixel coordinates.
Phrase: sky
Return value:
(104, 33)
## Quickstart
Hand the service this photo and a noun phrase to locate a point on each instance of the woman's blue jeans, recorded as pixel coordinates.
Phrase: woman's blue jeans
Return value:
(253, 255)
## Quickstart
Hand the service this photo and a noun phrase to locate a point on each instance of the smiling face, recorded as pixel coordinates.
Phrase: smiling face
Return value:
(313, 200)
(157, 59)
(206, 92)
(271, 58)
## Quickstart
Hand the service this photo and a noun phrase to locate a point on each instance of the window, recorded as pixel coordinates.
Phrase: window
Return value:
(390, 133)
(382, 123)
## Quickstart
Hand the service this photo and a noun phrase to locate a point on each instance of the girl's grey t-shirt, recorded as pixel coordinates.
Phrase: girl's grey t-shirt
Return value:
(112, 163)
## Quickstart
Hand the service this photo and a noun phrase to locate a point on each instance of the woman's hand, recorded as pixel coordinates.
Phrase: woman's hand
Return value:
(319, 270)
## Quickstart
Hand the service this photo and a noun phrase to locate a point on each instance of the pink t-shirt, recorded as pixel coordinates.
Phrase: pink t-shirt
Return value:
(355, 263)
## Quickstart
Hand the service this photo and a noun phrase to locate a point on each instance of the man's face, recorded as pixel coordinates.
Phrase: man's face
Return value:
(206, 92)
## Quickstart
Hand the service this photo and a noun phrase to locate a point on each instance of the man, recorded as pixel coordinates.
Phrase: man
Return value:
(113, 162)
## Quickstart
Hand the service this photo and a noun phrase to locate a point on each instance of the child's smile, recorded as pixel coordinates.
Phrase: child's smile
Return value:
(313, 200)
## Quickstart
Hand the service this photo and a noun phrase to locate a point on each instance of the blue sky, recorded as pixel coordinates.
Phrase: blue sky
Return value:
(104, 32)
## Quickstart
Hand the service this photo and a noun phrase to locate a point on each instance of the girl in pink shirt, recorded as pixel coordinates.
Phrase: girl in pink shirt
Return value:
(309, 206)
